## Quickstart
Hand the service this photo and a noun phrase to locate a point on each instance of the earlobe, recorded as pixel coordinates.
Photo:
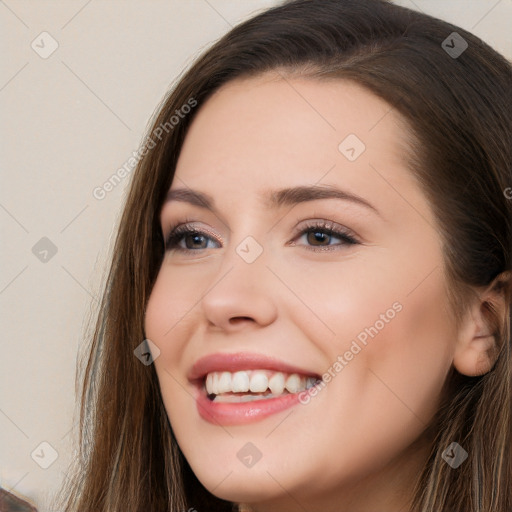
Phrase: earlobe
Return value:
(476, 357)
(479, 340)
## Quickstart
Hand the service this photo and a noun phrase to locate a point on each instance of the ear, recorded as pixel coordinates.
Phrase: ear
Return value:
(479, 340)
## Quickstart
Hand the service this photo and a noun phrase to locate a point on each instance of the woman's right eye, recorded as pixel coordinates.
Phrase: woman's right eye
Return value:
(184, 238)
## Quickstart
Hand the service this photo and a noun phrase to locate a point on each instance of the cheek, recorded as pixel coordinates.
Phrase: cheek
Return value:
(332, 301)
(170, 311)
(403, 362)
(397, 313)
(387, 384)
(169, 323)
(392, 345)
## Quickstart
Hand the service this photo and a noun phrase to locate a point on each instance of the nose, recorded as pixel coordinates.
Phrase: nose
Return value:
(240, 295)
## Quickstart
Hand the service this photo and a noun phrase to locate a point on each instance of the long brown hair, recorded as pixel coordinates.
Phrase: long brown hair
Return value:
(459, 111)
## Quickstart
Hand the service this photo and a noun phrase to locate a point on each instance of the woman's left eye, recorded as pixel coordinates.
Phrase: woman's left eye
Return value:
(325, 235)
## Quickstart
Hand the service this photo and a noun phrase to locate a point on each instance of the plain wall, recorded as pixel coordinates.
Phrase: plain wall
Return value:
(69, 121)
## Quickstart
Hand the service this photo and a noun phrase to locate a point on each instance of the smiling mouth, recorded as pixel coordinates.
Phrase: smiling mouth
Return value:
(252, 385)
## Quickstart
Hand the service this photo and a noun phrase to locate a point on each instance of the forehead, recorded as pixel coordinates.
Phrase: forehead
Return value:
(272, 132)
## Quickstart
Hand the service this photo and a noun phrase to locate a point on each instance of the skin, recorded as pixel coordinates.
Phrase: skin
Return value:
(358, 445)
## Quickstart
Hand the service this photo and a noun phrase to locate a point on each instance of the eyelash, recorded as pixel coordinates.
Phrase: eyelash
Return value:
(328, 228)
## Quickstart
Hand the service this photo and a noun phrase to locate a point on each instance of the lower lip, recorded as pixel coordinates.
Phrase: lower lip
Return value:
(220, 413)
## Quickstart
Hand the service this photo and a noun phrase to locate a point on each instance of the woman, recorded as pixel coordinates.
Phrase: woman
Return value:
(316, 251)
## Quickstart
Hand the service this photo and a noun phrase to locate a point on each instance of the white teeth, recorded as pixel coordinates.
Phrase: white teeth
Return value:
(209, 383)
(240, 382)
(293, 383)
(259, 382)
(216, 383)
(224, 385)
(276, 383)
(236, 399)
(255, 381)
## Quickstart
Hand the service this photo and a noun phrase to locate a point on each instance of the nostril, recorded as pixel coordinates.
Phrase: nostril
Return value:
(240, 319)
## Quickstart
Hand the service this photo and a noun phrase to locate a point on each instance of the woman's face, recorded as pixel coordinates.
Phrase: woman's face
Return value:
(311, 252)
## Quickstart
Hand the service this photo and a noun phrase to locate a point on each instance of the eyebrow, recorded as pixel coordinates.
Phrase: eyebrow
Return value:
(277, 198)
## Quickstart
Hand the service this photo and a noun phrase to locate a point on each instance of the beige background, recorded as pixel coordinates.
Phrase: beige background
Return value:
(69, 121)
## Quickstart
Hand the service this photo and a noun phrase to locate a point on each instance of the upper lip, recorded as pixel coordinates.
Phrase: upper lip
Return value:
(242, 361)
